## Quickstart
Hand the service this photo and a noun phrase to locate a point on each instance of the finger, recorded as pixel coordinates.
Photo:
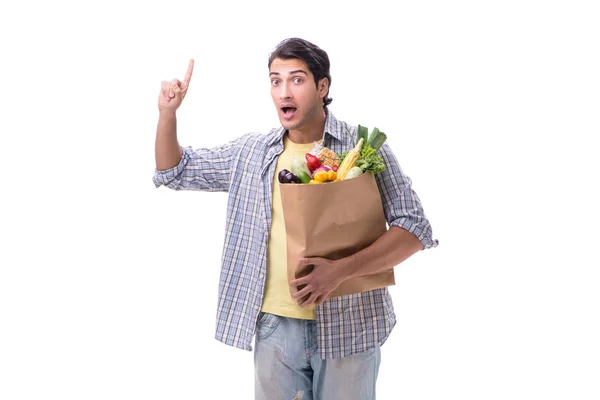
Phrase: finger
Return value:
(171, 86)
(309, 301)
(176, 91)
(165, 89)
(311, 260)
(175, 87)
(301, 293)
(320, 300)
(300, 281)
(188, 74)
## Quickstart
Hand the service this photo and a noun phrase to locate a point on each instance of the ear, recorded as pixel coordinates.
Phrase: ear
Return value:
(323, 87)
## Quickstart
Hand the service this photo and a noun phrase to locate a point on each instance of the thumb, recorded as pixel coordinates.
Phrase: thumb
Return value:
(174, 88)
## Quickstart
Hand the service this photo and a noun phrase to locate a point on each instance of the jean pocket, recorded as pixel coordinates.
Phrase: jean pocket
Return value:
(267, 324)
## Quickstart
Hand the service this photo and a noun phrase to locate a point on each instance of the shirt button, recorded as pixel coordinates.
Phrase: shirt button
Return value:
(256, 308)
(260, 276)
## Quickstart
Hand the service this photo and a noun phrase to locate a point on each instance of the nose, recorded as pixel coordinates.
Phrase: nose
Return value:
(285, 93)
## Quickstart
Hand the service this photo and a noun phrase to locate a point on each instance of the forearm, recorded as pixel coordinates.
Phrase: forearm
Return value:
(167, 149)
(392, 248)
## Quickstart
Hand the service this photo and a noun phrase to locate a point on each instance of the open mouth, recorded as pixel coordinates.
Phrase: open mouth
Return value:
(288, 112)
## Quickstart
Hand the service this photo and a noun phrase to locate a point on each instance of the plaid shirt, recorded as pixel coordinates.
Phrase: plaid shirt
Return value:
(245, 168)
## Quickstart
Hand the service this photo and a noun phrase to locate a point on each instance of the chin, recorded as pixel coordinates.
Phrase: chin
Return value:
(289, 125)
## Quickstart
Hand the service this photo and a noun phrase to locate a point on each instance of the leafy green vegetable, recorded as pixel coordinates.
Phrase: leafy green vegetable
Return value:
(369, 161)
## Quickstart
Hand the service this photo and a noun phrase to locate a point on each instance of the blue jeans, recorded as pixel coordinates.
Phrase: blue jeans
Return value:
(288, 367)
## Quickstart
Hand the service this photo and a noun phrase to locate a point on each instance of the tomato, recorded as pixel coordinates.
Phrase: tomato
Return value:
(312, 162)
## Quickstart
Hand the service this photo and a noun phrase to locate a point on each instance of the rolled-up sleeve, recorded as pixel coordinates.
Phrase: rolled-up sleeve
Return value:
(203, 169)
(401, 205)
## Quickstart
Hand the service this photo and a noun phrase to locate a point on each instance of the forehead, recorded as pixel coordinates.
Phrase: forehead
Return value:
(285, 66)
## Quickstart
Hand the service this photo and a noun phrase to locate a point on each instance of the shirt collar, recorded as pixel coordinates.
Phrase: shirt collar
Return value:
(332, 127)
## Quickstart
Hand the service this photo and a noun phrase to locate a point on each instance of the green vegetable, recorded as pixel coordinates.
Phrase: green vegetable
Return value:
(304, 177)
(369, 161)
(362, 132)
(376, 138)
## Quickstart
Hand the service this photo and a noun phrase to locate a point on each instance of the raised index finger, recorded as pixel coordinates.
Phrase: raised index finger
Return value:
(188, 74)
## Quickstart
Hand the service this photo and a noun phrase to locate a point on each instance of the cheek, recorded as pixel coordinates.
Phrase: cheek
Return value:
(274, 94)
(302, 97)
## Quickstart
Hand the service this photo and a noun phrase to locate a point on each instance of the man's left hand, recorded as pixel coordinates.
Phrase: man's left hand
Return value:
(324, 278)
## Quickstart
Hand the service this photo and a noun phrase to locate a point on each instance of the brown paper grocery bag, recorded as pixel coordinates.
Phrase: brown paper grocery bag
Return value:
(334, 220)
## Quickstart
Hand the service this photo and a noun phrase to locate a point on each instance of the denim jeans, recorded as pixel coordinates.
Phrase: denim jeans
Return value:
(287, 366)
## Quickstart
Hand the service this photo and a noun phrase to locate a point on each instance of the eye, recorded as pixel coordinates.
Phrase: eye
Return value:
(274, 82)
(298, 80)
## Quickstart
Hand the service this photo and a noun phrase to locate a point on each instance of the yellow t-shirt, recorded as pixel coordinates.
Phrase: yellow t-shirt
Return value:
(277, 299)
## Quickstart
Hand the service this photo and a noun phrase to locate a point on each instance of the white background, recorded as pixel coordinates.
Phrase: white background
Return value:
(108, 286)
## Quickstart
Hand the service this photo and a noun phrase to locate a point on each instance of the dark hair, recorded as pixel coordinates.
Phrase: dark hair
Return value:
(315, 58)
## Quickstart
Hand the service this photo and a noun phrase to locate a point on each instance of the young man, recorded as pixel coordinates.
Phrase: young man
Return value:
(311, 349)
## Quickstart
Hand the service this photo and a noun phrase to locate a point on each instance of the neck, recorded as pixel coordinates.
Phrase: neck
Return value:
(309, 133)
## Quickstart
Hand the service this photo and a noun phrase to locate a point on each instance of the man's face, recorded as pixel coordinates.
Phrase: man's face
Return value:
(295, 95)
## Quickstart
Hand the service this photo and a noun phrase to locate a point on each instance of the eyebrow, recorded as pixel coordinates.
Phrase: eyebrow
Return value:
(291, 72)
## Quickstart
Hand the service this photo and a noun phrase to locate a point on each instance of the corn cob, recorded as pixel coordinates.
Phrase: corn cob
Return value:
(350, 160)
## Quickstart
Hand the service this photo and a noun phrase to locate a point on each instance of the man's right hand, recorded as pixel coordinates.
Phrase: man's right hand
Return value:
(172, 93)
